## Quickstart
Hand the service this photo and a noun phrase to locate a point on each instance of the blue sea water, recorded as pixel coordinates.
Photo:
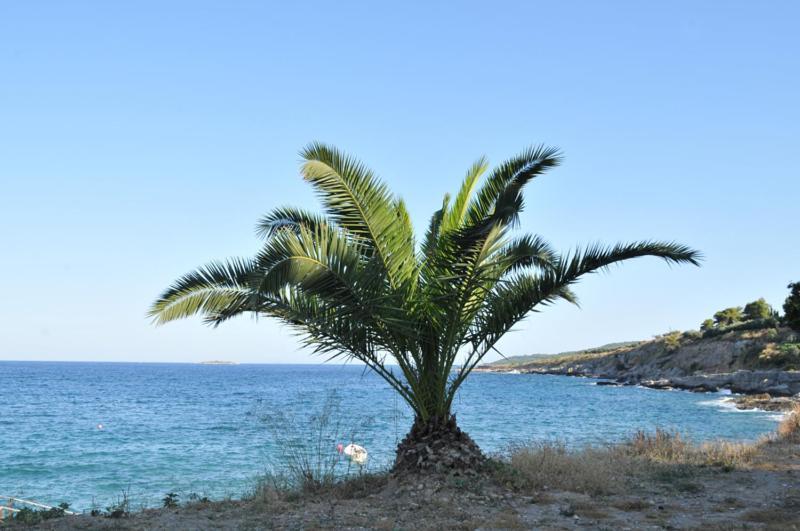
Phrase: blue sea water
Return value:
(86, 432)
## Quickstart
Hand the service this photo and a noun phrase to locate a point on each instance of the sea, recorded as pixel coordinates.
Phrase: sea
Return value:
(93, 434)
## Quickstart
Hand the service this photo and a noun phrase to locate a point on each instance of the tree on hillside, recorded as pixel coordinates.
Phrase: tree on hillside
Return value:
(758, 309)
(355, 285)
(728, 316)
(791, 308)
(708, 324)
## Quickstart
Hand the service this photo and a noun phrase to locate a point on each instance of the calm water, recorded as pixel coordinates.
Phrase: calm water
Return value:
(212, 430)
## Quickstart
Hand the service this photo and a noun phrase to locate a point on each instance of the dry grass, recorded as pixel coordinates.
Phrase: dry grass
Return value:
(553, 466)
(789, 428)
(670, 447)
(593, 470)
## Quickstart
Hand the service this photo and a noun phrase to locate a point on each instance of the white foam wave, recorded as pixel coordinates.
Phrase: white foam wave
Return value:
(728, 405)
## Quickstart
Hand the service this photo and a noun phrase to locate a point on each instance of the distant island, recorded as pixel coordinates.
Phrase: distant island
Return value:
(219, 362)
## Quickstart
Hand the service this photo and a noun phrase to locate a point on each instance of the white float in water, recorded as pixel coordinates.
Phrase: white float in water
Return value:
(357, 454)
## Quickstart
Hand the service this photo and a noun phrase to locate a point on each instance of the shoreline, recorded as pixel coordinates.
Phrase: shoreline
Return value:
(758, 399)
(739, 361)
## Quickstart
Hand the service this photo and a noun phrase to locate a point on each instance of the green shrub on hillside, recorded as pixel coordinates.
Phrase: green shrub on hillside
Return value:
(758, 324)
(672, 341)
(728, 316)
(791, 308)
(758, 309)
(708, 324)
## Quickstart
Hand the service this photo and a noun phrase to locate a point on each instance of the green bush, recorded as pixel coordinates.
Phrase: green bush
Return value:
(672, 341)
(758, 309)
(791, 308)
(728, 316)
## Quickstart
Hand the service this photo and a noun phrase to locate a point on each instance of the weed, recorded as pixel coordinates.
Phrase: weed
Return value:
(121, 508)
(196, 498)
(170, 500)
(308, 459)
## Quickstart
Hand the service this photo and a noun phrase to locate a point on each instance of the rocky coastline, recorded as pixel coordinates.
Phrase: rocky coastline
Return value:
(692, 363)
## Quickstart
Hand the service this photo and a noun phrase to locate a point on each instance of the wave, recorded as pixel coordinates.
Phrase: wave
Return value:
(726, 404)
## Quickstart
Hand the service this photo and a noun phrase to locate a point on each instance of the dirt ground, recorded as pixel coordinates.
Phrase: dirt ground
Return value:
(763, 494)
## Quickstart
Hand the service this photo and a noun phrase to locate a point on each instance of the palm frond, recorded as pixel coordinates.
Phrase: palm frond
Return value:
(457, 213)
(288, 218)
(500, 196)
(215, 287)
(358, 201)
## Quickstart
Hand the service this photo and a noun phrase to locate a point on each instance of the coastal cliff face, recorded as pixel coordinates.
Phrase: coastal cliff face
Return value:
(749, 362)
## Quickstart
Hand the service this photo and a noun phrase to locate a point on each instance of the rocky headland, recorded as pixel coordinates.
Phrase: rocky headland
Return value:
(760, 364)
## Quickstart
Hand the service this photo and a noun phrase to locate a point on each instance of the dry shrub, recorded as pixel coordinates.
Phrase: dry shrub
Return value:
(551, 465)
(663, 445)
(726, 454)
(670, 447)
(609, 470)
(789, 428)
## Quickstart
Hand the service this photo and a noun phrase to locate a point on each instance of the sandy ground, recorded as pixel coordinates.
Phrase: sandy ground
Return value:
(764, 494)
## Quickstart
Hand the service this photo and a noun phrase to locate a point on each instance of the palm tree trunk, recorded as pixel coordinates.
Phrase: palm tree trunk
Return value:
(437, 445)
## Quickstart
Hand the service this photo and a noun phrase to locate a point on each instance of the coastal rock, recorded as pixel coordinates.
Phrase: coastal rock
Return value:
(609, 383)
(764, 402)
(775, 383)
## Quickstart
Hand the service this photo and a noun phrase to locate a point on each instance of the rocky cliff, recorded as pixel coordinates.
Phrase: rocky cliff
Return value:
(749, 362)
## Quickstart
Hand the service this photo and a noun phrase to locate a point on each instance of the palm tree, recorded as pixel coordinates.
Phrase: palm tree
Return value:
(356, 285)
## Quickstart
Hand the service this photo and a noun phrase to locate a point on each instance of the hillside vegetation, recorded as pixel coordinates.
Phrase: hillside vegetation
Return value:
(514, 361)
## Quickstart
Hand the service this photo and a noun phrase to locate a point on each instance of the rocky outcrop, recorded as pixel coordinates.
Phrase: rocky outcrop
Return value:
(728, 362)
(764, 402)
(774, 382)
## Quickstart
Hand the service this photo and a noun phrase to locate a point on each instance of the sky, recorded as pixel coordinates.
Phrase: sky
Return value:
(139, 140)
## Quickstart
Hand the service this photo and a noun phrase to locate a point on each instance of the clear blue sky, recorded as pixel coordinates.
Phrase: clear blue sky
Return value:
(138, 140)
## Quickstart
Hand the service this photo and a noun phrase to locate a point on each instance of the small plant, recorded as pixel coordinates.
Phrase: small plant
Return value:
(672, 341)
(170, 501)
(308, 457)
(121, 508)
(196, 498)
